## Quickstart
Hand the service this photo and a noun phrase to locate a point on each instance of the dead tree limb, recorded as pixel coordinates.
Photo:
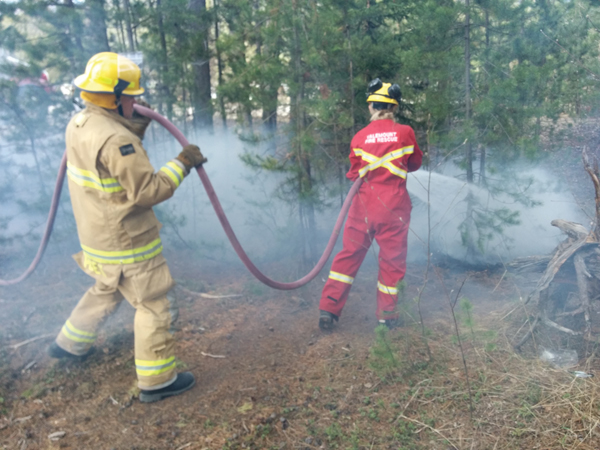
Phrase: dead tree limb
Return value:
(574, 230)
(582, 284)
(566, 330)
(580, 244)
(559, 258)
(592, 169)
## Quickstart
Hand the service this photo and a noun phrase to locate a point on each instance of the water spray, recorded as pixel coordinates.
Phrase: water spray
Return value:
(217, 207)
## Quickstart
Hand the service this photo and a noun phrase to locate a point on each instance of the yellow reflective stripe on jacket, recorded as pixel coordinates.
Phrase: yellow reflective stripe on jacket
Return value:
(149, 368)
(341, 277)
(174, 172)
(387, 289)
(365, 156)
(125, 256)
(385, 161)
(77, 335)
(90, 179)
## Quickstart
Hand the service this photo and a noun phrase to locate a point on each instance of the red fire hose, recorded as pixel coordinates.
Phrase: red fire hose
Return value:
(218, 209)
(49, 224)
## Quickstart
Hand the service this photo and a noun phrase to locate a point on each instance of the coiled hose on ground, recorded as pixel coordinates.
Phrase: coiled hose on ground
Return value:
(218, 209)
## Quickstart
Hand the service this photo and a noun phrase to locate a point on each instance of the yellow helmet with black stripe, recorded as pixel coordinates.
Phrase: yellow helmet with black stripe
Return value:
(381, 92)
(110, 73)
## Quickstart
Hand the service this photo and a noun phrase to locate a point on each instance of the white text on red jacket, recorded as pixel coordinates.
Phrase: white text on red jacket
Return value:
(390, 136)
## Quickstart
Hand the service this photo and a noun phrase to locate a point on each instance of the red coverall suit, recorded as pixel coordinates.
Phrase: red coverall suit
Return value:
(382, 154)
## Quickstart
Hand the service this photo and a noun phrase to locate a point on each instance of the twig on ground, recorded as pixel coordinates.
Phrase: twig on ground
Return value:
(22, 419)
(212, 356)
(501, 278)
(184, 446)
(203, 295)
(29, 341)
(457, 331)
(424, 425)
(28, 316)
(407, 404)
(29, 366)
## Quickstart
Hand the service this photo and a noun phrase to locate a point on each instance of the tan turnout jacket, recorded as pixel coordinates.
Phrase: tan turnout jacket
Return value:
(113, 188)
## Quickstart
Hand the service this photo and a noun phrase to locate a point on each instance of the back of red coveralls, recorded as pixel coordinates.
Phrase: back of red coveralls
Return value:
(381, 153)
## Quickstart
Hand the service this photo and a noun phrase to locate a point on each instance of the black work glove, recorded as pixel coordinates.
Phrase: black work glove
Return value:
(138, 122)
(191, 157)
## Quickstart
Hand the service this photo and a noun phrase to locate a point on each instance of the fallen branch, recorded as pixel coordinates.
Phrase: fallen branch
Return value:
(203, 295)
(28, 366)
(29, 341)
(552, 324)
(212, 356)
(582, 284)
(528, 334)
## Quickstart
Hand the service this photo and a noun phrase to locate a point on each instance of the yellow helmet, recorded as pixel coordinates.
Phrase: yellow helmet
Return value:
(110, 73)
(383, 92)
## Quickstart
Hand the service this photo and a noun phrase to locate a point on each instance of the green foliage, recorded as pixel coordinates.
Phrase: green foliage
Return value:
(292, 73)
(465, 315)
(466, 310)
(404, 434)
(334, 432)
(384, 357)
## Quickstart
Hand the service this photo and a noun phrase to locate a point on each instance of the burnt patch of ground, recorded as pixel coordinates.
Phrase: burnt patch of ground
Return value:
(267, 378)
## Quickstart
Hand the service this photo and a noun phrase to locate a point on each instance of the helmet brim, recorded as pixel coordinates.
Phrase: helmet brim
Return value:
(381, 99)
(85, 84)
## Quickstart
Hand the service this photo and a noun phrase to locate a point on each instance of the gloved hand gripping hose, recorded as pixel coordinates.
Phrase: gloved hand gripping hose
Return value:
(218, 209)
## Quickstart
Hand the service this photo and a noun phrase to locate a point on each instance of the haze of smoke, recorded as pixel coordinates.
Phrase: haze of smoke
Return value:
(532, 236)
(268, 227)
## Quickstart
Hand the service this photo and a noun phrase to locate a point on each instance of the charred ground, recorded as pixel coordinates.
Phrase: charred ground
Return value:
(281, 383)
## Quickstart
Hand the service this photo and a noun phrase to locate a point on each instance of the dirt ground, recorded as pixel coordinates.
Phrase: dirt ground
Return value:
(268, 378)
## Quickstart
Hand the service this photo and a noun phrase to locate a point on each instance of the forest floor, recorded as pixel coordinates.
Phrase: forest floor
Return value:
(281, 383)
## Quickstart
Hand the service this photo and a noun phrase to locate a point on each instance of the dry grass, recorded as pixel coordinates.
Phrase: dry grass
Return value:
(285, 385)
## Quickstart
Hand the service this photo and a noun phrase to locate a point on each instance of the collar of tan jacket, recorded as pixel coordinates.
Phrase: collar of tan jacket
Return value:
(112, 114)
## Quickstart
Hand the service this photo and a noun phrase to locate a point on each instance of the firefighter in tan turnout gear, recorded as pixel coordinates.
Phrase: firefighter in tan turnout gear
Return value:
(113, 188)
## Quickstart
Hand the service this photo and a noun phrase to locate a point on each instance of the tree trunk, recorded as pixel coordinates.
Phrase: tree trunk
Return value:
(350, 72)
(482, 156)
(119, 23)
(201, 94)
(164, 62)
(469, 147)
(97, 37)
(127, 8)
(219, 67)
(303, 157)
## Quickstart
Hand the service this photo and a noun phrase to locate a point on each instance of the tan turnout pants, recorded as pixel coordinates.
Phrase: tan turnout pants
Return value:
(145, 286)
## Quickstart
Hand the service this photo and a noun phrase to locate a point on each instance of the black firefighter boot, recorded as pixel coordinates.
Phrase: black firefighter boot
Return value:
(182, 383)
(390, 323)
(326, 320)
(55, 351)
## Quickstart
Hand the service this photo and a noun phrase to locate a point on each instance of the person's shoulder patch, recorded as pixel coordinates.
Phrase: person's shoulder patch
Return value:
(127, 149)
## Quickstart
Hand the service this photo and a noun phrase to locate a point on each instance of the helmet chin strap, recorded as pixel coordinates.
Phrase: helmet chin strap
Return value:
(119, 88)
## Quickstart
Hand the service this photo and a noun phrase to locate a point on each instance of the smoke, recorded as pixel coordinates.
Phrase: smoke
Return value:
(532, 192)
(268, 227)
(259, 219)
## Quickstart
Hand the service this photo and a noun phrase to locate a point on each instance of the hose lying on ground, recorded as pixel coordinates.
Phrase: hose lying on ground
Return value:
(218, 209)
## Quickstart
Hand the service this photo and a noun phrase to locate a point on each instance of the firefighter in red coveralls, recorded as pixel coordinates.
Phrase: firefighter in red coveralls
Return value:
(381, 154)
